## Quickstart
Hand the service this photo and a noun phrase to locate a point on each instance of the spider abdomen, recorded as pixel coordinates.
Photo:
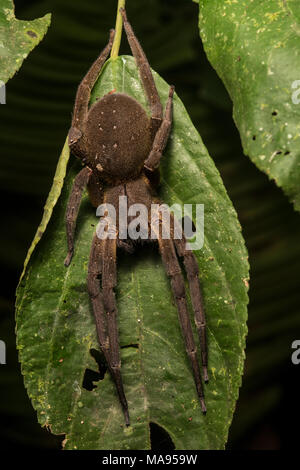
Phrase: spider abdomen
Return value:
(119, 137)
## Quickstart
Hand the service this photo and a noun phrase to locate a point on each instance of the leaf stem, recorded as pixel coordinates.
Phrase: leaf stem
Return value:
(118, 34)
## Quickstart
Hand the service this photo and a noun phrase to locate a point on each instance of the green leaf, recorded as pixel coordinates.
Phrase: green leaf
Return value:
(17, 38)
(55, 325)
(52, 198)
(254, 47)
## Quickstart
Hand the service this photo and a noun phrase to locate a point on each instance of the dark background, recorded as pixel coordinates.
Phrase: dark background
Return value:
(34, 124)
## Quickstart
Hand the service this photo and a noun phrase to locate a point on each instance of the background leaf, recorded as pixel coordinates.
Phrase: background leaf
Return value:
(17, 38)
(254, 47)
(56, 329)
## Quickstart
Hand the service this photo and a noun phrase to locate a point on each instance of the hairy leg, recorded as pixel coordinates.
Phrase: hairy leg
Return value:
(173, 270)
(192, 271)
(96, 297)
(79, 184)
(109, 281)
(105, 311)
(83, 97)
(161, 136)
(145, 74)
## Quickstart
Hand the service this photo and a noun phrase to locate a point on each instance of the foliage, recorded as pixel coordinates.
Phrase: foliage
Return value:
(17, 38)
(56, 331)
(33, 127)
(254, 47)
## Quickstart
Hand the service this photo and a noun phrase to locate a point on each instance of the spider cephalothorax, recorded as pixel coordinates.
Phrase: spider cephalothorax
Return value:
(120, 147)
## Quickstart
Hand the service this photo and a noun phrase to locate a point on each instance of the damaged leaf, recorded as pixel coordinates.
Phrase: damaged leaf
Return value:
(254, 47)
(17, 38)
(55, 325)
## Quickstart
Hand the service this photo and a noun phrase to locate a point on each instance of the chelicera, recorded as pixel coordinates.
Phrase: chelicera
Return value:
(120, 148)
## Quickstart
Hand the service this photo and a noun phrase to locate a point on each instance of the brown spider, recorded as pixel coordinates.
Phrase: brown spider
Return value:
(121, 147)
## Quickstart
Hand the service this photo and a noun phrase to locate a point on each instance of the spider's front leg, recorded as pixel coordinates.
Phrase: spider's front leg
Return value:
(173, 270)
(109, 282)
(103, 261)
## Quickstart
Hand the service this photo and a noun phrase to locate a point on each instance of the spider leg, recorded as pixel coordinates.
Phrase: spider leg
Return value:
(93, 283)
(83, 97)
(173, 270)
(79, 184)
(161, 136)
(104, 308)
(109, 281)
(145, 74)
(192, 270)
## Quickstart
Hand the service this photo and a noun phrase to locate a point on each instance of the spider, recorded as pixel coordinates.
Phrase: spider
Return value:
(120, 148)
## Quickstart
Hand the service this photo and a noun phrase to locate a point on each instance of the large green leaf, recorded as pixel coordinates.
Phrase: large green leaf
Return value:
(52, 198)
(254, 46)
(55, 325)
(17, 38)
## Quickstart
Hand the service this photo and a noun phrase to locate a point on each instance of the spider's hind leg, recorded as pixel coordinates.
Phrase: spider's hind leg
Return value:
(79, 120)
(162, 136)
(102, 261)
(145, 74)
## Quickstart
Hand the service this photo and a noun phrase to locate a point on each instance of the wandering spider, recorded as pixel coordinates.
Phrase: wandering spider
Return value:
(120, 148)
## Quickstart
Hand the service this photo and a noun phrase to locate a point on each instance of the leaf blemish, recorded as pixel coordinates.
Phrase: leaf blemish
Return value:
(32, 34)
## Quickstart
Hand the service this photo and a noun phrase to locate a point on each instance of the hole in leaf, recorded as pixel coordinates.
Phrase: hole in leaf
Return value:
(99, 358)
(279, 152)
(287, 152)
(91, 376)
(134, 345)
(274, 113)
(160, 439)
(188, 226)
